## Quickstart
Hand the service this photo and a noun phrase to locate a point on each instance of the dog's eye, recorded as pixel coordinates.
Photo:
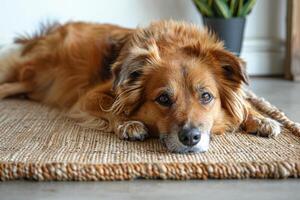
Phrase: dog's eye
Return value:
(164, 100)
(206, 97)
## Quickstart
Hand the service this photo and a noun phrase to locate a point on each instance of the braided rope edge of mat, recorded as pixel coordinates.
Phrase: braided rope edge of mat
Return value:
(176, 171)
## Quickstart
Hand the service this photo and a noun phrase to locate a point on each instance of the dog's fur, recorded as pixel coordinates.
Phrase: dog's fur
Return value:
(106, 76)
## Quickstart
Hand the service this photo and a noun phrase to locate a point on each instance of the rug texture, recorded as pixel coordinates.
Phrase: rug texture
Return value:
(39, 143)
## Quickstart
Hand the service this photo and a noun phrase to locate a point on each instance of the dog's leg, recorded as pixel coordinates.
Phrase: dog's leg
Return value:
(93, 111)
(9, 89)
(260, 125)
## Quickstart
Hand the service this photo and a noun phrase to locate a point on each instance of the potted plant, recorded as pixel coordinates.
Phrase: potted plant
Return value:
(227, 19)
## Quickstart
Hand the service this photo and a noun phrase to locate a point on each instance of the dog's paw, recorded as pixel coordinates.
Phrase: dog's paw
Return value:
(132, 130)
(265, 127)
(268, 128)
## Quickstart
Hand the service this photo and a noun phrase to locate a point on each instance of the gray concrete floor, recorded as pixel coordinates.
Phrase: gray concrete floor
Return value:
(284, 94)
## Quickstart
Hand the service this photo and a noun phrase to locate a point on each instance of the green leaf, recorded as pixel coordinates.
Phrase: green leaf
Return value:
(203, 8)
(247, 8)
(233, 7)
(222, 8)
(240, 7)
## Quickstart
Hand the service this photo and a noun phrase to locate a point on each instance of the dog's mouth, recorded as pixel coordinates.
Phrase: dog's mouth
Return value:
(173, 144)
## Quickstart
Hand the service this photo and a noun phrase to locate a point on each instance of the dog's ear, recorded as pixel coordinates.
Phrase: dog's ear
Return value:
(231, 74)
(130, 66)
(128, 74)
(233, 68)
(127, 71)
(126, 85)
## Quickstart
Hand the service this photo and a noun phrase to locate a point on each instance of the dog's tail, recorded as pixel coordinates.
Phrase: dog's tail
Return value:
(10, 55)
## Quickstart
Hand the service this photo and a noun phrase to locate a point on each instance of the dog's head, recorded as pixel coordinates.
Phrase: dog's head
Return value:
(181, 83)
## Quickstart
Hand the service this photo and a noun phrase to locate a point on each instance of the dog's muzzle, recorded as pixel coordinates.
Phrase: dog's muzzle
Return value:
(187, 139)
(189, 136)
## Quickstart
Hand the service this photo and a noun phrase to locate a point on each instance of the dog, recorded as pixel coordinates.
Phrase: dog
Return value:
(171, 80)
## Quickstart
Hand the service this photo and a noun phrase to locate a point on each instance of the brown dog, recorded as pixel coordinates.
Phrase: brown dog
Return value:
(170, 80)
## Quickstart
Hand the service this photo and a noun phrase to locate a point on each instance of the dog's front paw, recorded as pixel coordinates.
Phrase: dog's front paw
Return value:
(263, 126)
(132, 130)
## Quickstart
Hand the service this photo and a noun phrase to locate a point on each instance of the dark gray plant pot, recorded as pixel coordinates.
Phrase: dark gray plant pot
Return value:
(231, 31)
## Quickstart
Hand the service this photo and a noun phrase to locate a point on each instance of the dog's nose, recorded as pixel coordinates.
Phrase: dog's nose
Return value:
(189, 136)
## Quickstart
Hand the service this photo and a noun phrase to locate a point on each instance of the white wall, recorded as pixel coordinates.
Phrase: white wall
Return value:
(264, 45)
(264, 37)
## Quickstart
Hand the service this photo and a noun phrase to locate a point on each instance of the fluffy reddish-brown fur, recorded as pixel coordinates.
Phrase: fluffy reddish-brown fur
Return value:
(108, 76)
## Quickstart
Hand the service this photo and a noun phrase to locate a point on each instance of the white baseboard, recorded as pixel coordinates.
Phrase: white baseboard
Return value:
(264, 56)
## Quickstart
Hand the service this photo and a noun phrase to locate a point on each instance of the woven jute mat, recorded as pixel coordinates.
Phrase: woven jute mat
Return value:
(39, 143)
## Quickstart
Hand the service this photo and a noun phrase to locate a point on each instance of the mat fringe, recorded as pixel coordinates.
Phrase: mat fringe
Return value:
(266, 107)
